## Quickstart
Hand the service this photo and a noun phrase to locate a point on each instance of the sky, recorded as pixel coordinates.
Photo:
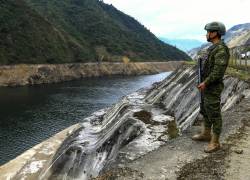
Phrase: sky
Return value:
(184, 19)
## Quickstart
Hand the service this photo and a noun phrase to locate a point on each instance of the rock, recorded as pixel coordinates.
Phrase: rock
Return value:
(20, 75)
(238, 151)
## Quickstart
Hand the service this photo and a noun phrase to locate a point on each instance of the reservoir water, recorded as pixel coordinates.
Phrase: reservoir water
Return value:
(29, 115)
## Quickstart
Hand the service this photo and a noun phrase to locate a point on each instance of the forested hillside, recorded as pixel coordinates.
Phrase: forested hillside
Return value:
(26, 37)
(58, 31)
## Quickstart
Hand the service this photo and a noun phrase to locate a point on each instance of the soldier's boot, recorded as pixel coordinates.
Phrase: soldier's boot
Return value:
(205, 135)
(214, 144)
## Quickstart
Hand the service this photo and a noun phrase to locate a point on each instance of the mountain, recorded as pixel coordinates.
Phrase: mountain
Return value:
(183, 44)
(108, 31)
(195, 51)
(58, 31)
(238, 35)
(26, 37)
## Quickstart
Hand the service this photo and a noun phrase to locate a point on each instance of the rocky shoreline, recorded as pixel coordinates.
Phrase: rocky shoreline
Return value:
(24, 74)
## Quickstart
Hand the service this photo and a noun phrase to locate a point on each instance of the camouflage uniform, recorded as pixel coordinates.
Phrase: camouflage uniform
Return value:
(213, 72)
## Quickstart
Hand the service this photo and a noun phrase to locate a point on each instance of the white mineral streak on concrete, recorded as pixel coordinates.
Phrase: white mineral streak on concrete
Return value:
(162, 118)
(246, 93)
(33, 167)
(230, 102)
(48, 148)
(190, 119)
(157, 130)
(141, 145)
(175, 92)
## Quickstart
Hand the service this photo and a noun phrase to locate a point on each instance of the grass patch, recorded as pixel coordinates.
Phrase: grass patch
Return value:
(241, 74)
(190, 62)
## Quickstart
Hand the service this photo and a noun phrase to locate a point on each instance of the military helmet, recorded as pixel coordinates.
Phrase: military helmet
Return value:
(216, 26)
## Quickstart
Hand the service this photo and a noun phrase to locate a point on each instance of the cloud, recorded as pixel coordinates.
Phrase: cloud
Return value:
(184, 18)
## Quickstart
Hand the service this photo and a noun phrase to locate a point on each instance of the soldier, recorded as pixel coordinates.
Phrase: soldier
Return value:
(212, 85)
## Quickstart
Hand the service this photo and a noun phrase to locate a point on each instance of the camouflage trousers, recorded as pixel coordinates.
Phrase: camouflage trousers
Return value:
(211, 109)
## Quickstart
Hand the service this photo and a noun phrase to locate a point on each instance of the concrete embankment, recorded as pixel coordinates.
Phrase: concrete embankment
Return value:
(151, 153)
(23, 74)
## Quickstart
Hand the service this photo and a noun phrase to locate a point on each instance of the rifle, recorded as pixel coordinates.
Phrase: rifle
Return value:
(200, 69)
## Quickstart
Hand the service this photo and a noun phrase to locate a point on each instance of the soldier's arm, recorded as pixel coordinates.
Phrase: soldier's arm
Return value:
(220, 65)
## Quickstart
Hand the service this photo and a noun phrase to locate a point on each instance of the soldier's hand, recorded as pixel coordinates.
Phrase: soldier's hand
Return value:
(201, 86)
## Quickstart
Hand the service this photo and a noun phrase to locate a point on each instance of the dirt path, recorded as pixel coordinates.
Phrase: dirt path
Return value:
(238, 161)
(230, 163)
(233, 161)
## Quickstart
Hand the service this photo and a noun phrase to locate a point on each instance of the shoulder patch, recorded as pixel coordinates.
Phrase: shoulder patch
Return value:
(221, 57)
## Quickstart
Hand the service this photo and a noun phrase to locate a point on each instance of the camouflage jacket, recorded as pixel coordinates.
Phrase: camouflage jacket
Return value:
(216, 64)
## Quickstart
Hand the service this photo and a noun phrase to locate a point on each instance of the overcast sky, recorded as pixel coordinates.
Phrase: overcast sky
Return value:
(184, 18)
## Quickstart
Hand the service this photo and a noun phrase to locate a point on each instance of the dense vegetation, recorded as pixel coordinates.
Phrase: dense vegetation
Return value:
(27, 38)
(57, 31)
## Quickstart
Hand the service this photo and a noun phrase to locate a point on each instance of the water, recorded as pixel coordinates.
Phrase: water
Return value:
(29, 115)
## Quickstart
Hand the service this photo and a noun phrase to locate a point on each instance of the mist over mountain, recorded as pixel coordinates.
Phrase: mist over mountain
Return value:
(183, 44)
